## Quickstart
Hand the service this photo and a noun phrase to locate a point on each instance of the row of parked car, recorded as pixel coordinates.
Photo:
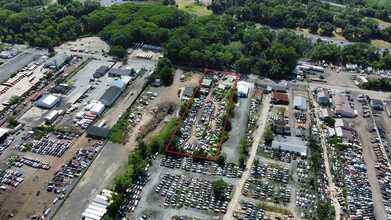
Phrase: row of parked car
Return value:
(10, 177)
(180, 190)
(6, 143)
(202, 167)
(50, 147)
(34, 163)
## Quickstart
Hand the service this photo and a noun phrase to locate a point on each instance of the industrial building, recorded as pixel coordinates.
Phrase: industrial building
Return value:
(98, 132)
(342, 106)
(243, 89)
(299, 103)
(48, 101)
(188, 92)
(112, 93)
(344, 134)
(56, 61)
(207, 83)
(51, 117)
(280, 98)
(119, 72)
(342, 123)
(120, 84)
(101, 71)
(295, 148)
(322, 97)
(326, 113)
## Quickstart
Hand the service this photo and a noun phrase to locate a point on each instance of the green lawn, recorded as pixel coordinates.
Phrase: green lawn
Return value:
(379, 2)
(197, 9)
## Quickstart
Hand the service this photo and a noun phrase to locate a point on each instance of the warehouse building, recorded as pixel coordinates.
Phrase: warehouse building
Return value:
(280, 98)
(56, 61)
(51, 117)
(299, 103)
(109, 97)
(119, 72)
(188, 92)
(342, 123)
(48, 101)
(120, 84)
(3, 133)
(345, 135)
(294, 148)
(243, 89)
(322, 97)
(98, 132)
(101, 71)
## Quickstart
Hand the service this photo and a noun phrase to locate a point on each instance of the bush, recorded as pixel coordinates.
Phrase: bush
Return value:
(12, 122)
(118, 51)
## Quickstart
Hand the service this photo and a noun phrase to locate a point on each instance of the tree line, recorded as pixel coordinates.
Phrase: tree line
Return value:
(316, 16)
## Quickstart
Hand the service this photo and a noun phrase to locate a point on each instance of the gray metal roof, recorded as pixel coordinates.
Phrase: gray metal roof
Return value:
(99, 132)
(111, 94)
(119, 72)
(188, 91)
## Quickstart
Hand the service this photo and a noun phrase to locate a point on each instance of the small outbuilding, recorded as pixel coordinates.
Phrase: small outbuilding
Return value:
(207, 83)
(294, 148)
(299, 103)
(97, 109)
(48, 101)
(188, 92)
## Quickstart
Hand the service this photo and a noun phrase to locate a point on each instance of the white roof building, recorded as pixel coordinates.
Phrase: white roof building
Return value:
(97, 109)
(48, 101)
(299, 103)
(243, 89)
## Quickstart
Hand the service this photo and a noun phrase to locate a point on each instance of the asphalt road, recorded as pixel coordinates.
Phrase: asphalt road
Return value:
(239, 123)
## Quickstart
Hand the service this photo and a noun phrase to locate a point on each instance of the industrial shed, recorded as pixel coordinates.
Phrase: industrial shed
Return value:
(280, 98)
(299, 103)
(188, 92)
(97, 109)
(51, 117)
(48, 101)
(56, 61)
(119, 72)
(98, 132)
(322, 97)
(109, 97)
(120, 84)
(243, 90)
(207, 83)
(295, 148)
(101, 71)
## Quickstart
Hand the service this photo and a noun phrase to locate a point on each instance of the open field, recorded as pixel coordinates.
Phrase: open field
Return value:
(197, 9)
(381, 43)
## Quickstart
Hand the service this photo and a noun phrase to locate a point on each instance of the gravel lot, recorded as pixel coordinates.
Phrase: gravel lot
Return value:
(152, 204)
(239, 123)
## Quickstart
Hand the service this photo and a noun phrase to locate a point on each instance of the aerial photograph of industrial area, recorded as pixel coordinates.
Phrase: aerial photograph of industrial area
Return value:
(195, 110)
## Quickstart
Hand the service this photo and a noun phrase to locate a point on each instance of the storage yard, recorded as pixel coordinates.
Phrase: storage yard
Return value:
(281, 151)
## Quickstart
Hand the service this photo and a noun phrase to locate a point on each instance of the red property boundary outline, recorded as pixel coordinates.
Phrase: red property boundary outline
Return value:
(187, 107)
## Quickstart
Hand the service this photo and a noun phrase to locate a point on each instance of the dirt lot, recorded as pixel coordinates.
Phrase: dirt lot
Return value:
(92, 45)
(22, 200)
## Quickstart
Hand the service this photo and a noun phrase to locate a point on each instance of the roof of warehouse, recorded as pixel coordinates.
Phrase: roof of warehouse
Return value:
(110, 95)
(3, 132)
(102, 70)
(188, 91)
(48, 100)
(300, 101)
(280, 96)
(125, 72)
(98, 132)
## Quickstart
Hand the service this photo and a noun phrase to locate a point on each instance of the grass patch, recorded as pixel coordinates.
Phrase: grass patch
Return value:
(197, 9)
(379, 2)
(142, 72)
(380, 21)
(119, 130)
(381, 43)
(41, 131)
(303, 30)
(268, 208)
(337, 34)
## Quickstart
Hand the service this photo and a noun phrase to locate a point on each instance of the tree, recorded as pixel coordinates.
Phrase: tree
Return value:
(313, 28)
(268, 136)
(166, 76)
(117, 201)
(117, 51)
(12, 122)
(330, 122)
(327, 29)
(219, 187)
(242, 161)
(122, 183)
(220, 160)
(256, 162)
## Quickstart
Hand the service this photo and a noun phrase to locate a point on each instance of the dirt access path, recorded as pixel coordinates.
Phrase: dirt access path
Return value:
(262, 120)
